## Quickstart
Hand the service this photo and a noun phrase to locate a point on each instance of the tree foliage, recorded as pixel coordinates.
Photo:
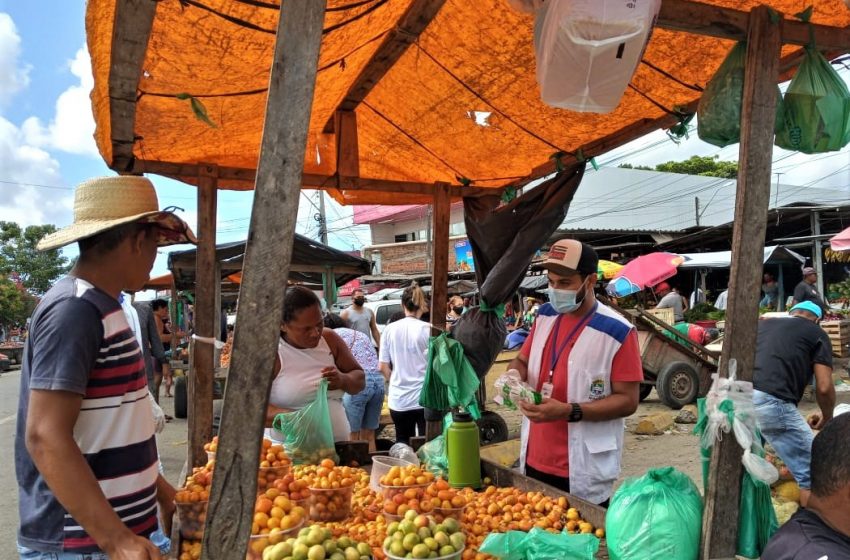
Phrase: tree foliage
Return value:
(707, 166)
(15, 304)
(37, 270)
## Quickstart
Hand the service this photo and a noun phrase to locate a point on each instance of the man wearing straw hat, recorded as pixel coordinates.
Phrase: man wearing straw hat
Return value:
(85, 451)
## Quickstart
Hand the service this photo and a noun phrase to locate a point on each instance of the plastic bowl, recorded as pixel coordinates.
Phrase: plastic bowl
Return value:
(267, 475)
(330, 504)
(389, 491)
(381, 465)
(454, 556)
(258, 543)
(192, 517)
(440, 514)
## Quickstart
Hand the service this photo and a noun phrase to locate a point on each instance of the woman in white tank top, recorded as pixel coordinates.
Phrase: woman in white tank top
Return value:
(306, 353)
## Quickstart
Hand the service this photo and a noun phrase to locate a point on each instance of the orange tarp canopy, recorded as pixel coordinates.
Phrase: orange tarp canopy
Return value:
(418, 123)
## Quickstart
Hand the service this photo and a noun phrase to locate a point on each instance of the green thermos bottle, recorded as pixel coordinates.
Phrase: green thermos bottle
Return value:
(462, 446)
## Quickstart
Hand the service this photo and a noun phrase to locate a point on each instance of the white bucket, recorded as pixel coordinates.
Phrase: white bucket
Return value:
(588, 50)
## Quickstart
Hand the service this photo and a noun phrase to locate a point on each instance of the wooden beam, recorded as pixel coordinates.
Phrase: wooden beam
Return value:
(728, 23)
(189, 171)
(347, 150)
(131, 31)
(720, 516)
(441, 218)
(206, 282)
(267, 262)
(410, 25)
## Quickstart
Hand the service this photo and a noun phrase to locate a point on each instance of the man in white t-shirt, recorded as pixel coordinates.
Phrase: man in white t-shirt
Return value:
(403, 358)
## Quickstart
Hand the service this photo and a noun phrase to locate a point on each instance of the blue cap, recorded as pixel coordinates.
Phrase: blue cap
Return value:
(809, 306)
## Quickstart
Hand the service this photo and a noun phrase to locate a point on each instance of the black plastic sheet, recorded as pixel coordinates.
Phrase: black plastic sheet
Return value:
(504, 239)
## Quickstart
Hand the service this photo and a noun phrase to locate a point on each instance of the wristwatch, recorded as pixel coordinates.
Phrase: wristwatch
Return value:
(575, 414)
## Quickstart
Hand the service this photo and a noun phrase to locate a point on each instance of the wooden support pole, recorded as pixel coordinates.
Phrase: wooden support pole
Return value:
(441, 217)
(267, 263)
(201, 378)
(347, 149)
(720, 516)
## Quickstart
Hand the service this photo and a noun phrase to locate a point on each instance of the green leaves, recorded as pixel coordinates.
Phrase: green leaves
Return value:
(38, 270)
(198, 108)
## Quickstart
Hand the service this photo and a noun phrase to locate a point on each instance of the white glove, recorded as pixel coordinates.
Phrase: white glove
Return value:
(158, 414)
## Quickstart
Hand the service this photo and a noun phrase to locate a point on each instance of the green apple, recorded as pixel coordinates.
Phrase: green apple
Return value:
(364, 549)
(397, 549)
(330, 546)
(458, 540)
(447, 550)
(299, 551)
(392, 527)
(442, 538)
(337, 556)
(410, 541)
(316, 552)
(420, 551)
(410, 515)
(352, 554)
(424, 533)
(431, 543)
(452, 525)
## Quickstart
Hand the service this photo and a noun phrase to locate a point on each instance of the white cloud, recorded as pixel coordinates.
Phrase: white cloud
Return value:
(13, 76)
(71, 129)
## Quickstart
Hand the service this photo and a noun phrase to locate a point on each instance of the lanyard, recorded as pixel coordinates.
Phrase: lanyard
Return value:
(556, 352)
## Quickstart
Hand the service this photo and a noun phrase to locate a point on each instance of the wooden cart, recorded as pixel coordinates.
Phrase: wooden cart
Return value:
(679, 371)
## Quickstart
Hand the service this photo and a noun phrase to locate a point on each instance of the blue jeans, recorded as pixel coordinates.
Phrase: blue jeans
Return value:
(784, 428)
(364, 409)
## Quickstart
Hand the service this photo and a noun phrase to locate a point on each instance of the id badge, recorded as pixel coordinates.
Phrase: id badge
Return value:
(546, 390)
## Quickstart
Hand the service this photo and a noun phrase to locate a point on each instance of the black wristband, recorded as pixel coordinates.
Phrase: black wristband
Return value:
(576, 413)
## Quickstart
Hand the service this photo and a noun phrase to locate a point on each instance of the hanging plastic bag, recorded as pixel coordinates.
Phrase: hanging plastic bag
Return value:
(756, 518)
(450, 380)
(816, 115)
(658, 515)
(719, 110)
(538, 544)
(308, 433)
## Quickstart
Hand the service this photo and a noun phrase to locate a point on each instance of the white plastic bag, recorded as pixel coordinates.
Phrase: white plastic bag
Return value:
(588, 50)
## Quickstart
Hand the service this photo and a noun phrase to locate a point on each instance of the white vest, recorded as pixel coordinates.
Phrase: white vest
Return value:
(595, 448)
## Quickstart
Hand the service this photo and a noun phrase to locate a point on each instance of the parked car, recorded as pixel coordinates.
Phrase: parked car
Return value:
(5, 363)
(383, 310)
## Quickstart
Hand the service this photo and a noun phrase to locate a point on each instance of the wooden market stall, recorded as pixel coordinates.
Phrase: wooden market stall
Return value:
(375, 102)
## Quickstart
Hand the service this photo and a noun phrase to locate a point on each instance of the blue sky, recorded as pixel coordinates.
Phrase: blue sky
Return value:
(46, 145)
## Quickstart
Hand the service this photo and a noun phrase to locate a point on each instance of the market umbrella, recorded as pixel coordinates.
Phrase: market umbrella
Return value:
(608, 269)
(841, 242)
(644, 271)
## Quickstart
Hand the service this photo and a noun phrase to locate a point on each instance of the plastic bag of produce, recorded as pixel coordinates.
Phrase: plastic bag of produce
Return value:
(538, 544)
(719, 110)
(450, 380)
(756, 518)
(308, 433)
(816, 115)
(658, 515)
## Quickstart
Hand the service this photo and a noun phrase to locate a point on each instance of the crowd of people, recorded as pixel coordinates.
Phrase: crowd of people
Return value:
(87, 466)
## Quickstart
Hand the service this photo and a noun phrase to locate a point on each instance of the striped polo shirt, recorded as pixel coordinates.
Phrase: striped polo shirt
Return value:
(80, 342)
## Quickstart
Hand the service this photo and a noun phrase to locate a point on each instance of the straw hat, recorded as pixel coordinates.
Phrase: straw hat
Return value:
(106, 202)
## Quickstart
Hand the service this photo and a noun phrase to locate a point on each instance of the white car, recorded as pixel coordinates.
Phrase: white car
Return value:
(383, 310)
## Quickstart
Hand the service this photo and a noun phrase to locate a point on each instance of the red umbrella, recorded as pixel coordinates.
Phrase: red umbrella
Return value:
(841, 242)
(644, 271)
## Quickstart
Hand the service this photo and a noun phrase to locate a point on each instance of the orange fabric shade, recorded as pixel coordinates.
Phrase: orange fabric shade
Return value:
(418, 123)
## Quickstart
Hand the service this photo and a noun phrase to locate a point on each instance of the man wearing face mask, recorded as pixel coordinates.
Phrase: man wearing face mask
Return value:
(584, 358)
(360, 318)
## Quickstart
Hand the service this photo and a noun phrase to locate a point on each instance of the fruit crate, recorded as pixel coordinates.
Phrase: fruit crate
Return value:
(839, 336)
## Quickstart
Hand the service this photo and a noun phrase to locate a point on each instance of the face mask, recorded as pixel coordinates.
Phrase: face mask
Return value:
(457, 310)
(359, 301)
(566, 301)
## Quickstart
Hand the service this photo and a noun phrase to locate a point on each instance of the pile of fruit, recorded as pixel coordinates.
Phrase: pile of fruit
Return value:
(407, 476)
(317, 543)
(419, 536)
(192, 500)
(342, 505)
(274, 464)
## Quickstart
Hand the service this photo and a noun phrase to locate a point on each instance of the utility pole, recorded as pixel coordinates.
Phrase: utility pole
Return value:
(696, 210)
(817, 261)
(322, 219)
(428, 245)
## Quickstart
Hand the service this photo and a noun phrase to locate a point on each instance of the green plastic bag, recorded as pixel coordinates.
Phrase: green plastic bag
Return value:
(308, 433)
(816, 116)
(658, 515)
(756, 518)
(450, 380)
(538, 544)
(719, 109)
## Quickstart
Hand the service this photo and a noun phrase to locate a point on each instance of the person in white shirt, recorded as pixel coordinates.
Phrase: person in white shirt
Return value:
(403, 359)
(721, 300)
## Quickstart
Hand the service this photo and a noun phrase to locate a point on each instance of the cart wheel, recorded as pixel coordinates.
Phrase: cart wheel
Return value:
(645, 390)
(677, 384)
(492, 428)
(181, 400)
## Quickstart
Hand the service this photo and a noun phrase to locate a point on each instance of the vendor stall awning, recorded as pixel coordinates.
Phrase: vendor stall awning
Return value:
(776, 254)
(310, 260)
(441, 90)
